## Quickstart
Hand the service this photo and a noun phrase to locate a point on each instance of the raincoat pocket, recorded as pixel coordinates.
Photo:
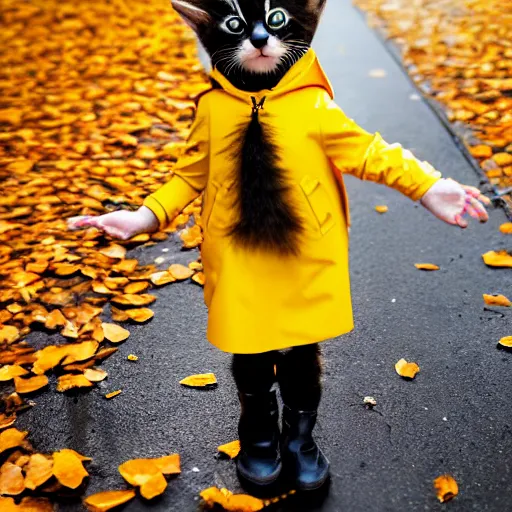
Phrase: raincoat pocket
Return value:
(319, 203)
(219, 217)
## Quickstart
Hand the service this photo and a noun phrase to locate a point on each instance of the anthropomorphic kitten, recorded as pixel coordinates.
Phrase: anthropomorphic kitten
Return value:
(268, 148)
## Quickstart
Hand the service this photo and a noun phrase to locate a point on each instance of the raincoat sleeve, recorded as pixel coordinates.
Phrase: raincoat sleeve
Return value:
(367, 156)
(190, 173)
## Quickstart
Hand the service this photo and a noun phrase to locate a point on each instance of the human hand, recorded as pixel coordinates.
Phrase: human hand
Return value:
(450, 201)
(121, 224)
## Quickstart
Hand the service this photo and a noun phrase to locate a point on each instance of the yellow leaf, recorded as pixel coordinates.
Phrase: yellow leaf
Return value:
(68, 468)
(30, 385)
(155, 486)
(506, 228)
(199, 278)
(114, 251)
(132, 357)
(381, 209)
(9, 334)
(80, 351)
(11, 479)
(71, 381)
(95, 375)
(162, 278)
(180, 272)
(497, 300)
(38, 470)
(200, 380)
(169, 464)
(406, 370)
(506, 342)
(426, 266)
(115, 333)
(8, 372)
(103, 501)
(11, 438)
(139, 471)
(231, 449)
(446, 488)
(113, 394)
(231, 502)
(497, 259)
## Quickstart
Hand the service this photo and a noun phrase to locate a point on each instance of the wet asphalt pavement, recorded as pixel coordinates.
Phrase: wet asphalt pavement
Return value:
(455, 417)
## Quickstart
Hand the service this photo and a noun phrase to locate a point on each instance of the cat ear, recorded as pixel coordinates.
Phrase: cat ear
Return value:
(191, 13)
(315, 5)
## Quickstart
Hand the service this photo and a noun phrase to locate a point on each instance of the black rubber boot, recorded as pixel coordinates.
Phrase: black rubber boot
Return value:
(303, 459)
(259, 461)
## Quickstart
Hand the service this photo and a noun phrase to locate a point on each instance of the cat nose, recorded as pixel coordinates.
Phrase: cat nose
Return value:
(259, 36)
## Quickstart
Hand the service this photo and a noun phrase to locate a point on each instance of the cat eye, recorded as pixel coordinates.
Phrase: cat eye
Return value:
(277, 18)
(234, 25)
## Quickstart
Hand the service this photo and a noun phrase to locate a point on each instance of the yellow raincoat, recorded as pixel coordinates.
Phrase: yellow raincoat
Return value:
(260, 301)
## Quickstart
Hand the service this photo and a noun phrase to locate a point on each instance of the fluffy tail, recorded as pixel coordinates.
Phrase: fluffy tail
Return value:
(266, 220)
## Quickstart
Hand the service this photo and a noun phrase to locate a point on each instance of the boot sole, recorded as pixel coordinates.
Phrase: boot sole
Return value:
(269, 480)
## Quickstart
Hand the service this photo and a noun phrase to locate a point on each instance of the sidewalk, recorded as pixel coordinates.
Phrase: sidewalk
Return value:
(455, 417)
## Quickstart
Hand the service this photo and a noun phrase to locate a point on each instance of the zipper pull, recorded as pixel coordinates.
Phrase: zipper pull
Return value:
(256, 107)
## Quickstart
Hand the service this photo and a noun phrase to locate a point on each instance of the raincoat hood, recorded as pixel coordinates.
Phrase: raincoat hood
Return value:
(306, 72)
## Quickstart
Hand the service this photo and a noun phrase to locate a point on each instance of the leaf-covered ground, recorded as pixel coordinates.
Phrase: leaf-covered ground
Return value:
(460, 53)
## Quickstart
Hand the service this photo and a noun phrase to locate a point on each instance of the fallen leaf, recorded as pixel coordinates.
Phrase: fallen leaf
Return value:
(7, 421)
(169, 464)
(9, 334)
(406, 370)
(29, 504)
(180, 272)
(446, 488)
(71, 381)
(103, 501)
(497, 300)
(114, 251)
(95, 375)
(30, 385)
(155, 486)
(426, 266)
(231, 449)
(8, 372)
(38, 470)
(497, 259)
(381, 209)
(55, 319)
(134, 300)
(68, 468)
(139, 315)
(200, 380)
(132, 357)
(11, 479)
(113, 394)
(506, 342)
(115, 333)
(229, 501)
(139, 471)
(80, 351)
(136, 287)
(199, 278)
(11, 438)
(162, 278)
(506, 228)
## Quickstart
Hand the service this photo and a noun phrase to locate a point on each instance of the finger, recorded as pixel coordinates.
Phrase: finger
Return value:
(461, 222)
(475, 193)
(483, 216)
(471, 211)
(81, 222)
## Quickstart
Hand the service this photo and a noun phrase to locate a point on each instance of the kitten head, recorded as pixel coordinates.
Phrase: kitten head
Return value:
(253, 42)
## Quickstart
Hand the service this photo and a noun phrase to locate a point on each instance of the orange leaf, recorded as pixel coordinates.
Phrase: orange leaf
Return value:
(49, 357)
(80, 351)
(136, 287)
(155, 486)
(113, 394)
(8, 372)
(95, 375)
(115, 333)
(114, 251)
(426, 266)
(134, 300)
(231, 502)
(381, 209)
(38, 470)
(55, 319)
(35, 505)
(140, 315)
(30, 385)
(199, 278)
(506, 228)
(497, 300)
(103, 501)
(169, 464)
(7, 421)
(139, 471)
(22, 279)
(162, 278)
(200, 380)
(230, 449)
(9, 334)
(132, 357)
(11, 479)
(497, 259)
(446, 488)
(180, 272)
(11, 438)
(506, 342)
(125, 266)
(406, 370)
(68, 468)
(70, 381)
